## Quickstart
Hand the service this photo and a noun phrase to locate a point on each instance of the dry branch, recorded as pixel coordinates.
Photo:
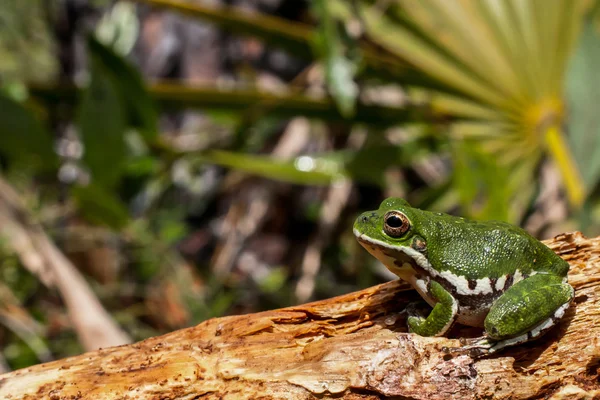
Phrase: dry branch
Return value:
(352, 347)
(93, 324)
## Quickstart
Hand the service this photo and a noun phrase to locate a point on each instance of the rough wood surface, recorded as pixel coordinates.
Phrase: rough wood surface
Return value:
(351, 347)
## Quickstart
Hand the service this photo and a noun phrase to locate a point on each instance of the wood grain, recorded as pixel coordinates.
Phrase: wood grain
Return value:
(349, 347)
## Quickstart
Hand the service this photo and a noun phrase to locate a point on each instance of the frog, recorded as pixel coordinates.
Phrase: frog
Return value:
(485, 274)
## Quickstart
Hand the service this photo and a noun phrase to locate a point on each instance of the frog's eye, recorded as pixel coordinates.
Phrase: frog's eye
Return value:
(395, 224)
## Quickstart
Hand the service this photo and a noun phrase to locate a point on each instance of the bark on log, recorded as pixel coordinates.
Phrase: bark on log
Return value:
(351, 347)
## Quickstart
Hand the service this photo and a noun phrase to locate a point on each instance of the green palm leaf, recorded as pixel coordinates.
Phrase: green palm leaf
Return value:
(506, 60)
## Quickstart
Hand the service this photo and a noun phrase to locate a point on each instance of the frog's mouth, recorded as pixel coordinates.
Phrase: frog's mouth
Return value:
(402, 261)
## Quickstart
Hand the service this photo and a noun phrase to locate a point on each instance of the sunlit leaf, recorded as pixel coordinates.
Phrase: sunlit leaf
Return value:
(340, 68)
(302, 170)
(505, 59)
(366, 165)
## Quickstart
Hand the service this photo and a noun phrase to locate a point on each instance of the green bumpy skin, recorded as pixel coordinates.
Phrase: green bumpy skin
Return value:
(484, 274)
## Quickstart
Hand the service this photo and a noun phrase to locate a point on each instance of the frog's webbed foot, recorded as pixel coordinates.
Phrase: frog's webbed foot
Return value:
(484, 345)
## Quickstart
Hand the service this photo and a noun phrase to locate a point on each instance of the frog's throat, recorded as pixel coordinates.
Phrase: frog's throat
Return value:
(405, 261)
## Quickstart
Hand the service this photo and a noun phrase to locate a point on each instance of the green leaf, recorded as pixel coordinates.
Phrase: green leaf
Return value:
(505, 61)
(582, 89)
(102, 127)
(100, 206)
(180, 97)
(340, 68)
(365, 165)
(482, 185)
(23, 139)
(27, 42)
(370, 163)
(140, 108)
(302, 170)
(274, 281)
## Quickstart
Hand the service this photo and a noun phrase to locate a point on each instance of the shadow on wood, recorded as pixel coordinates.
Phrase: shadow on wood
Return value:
(352, 347)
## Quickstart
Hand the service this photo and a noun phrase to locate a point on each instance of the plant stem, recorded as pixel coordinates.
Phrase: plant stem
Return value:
(559, 149)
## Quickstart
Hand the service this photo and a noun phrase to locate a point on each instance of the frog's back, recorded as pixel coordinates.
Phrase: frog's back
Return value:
(490, 249)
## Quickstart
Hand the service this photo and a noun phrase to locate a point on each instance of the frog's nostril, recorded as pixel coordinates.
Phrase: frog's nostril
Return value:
(364, 218)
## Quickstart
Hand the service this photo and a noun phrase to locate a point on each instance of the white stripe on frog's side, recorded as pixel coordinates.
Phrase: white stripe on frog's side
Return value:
(544, 326)
(558, 314)
(508, 342)
(550, 322)
(535, 332)
(500, 282)
(517, 276)
(483, 285)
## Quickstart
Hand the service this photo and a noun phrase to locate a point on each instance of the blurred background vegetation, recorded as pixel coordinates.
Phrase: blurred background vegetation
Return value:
(198, 158)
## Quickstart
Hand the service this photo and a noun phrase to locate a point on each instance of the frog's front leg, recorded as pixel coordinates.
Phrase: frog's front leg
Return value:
(524, 312)
(441, 318)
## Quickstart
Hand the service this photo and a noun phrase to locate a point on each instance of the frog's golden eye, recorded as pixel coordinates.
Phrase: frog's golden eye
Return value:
(395, 224)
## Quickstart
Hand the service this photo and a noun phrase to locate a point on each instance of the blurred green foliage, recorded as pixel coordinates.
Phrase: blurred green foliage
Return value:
(27, 47)
(457, 106)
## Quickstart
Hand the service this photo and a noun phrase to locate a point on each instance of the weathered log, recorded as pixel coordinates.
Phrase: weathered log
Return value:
(353, 347)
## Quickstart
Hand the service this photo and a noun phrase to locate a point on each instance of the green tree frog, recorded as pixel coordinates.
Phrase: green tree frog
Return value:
(483, 274)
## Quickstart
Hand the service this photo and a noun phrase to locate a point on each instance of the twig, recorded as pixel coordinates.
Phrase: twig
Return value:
(41, 257)
(291, 143)
(335, 202)
(4, 368)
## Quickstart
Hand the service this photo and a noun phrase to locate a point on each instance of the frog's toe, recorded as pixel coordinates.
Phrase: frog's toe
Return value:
(473, 341)
(472, 351)
(474, 347)
(480, 347)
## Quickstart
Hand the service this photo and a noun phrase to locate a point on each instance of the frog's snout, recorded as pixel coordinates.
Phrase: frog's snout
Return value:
(366, 217)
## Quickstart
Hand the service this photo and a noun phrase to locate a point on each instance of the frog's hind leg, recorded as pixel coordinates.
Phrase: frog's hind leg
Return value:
(524, 312)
